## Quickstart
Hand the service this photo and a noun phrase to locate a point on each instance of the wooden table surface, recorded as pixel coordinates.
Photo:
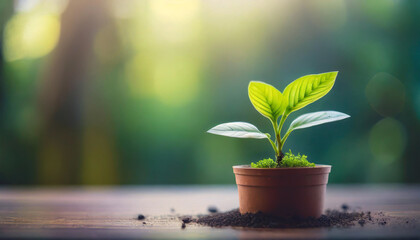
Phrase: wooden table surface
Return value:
(110, 212)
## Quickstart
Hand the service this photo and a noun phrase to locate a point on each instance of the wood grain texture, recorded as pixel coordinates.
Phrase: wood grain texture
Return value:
(111, 212)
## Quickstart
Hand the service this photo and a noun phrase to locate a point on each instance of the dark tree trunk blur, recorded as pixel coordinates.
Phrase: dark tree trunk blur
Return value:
(6, 10)
(61, 93)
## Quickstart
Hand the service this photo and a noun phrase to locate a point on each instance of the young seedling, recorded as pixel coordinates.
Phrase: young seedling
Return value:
(273, 104)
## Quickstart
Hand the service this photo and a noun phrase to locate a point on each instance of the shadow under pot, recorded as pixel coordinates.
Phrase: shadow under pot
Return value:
(283, 192)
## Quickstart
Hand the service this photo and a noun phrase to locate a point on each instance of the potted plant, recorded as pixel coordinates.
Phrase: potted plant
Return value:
(289, 186)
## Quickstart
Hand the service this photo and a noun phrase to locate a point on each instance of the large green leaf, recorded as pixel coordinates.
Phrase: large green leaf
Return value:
(238, 130)
(316, 118)
(267, 100)
(308, 89)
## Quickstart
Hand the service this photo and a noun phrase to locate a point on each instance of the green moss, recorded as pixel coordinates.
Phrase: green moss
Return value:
(291, 160)
(265, 163)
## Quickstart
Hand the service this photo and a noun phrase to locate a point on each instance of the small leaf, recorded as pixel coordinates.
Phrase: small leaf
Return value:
(308, 89)
(238, 130)
(267, 100)
(316, 118)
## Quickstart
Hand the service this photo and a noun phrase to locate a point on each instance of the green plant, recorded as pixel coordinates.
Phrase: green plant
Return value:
(273, 104)
(291, 160)
(265, 163)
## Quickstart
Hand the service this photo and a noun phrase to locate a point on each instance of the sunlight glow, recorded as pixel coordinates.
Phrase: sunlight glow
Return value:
(30, 36)
(173, 21)
(176, 80)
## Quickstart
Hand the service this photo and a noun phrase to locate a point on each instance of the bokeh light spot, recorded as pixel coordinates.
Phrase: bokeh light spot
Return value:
(45, 6)
(387, 140)
(173, 21)
(176, 80)
(30, 36)
(136, 73)
(182, 10)
(386, 94)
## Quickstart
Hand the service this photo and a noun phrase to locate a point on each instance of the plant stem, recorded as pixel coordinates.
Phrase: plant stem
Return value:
(283, 140)
(278, 132)
(279, 159)
(278, 139)
(274, 146)
(282, 120)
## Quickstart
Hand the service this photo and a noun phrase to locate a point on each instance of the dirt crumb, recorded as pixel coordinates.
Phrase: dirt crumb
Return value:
(186, 219)
(212, 209)
(345, 207)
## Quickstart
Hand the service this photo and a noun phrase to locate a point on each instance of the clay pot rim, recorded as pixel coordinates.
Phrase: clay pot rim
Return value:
(248, 170)
(247, 166)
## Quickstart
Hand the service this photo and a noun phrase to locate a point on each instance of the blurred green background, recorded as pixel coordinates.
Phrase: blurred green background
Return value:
(123, 92)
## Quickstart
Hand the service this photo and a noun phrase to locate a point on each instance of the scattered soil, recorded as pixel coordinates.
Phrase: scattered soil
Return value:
(344, 207)
(331, 218)
(351, 217)
(186, 220)
(212, 209)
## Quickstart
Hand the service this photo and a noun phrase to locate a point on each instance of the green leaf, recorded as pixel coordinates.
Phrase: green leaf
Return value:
(308, 89)
(316, 118)
(267, 100)
(238, 130)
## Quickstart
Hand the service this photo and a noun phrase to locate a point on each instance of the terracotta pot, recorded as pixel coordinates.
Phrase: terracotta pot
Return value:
(283, 192)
